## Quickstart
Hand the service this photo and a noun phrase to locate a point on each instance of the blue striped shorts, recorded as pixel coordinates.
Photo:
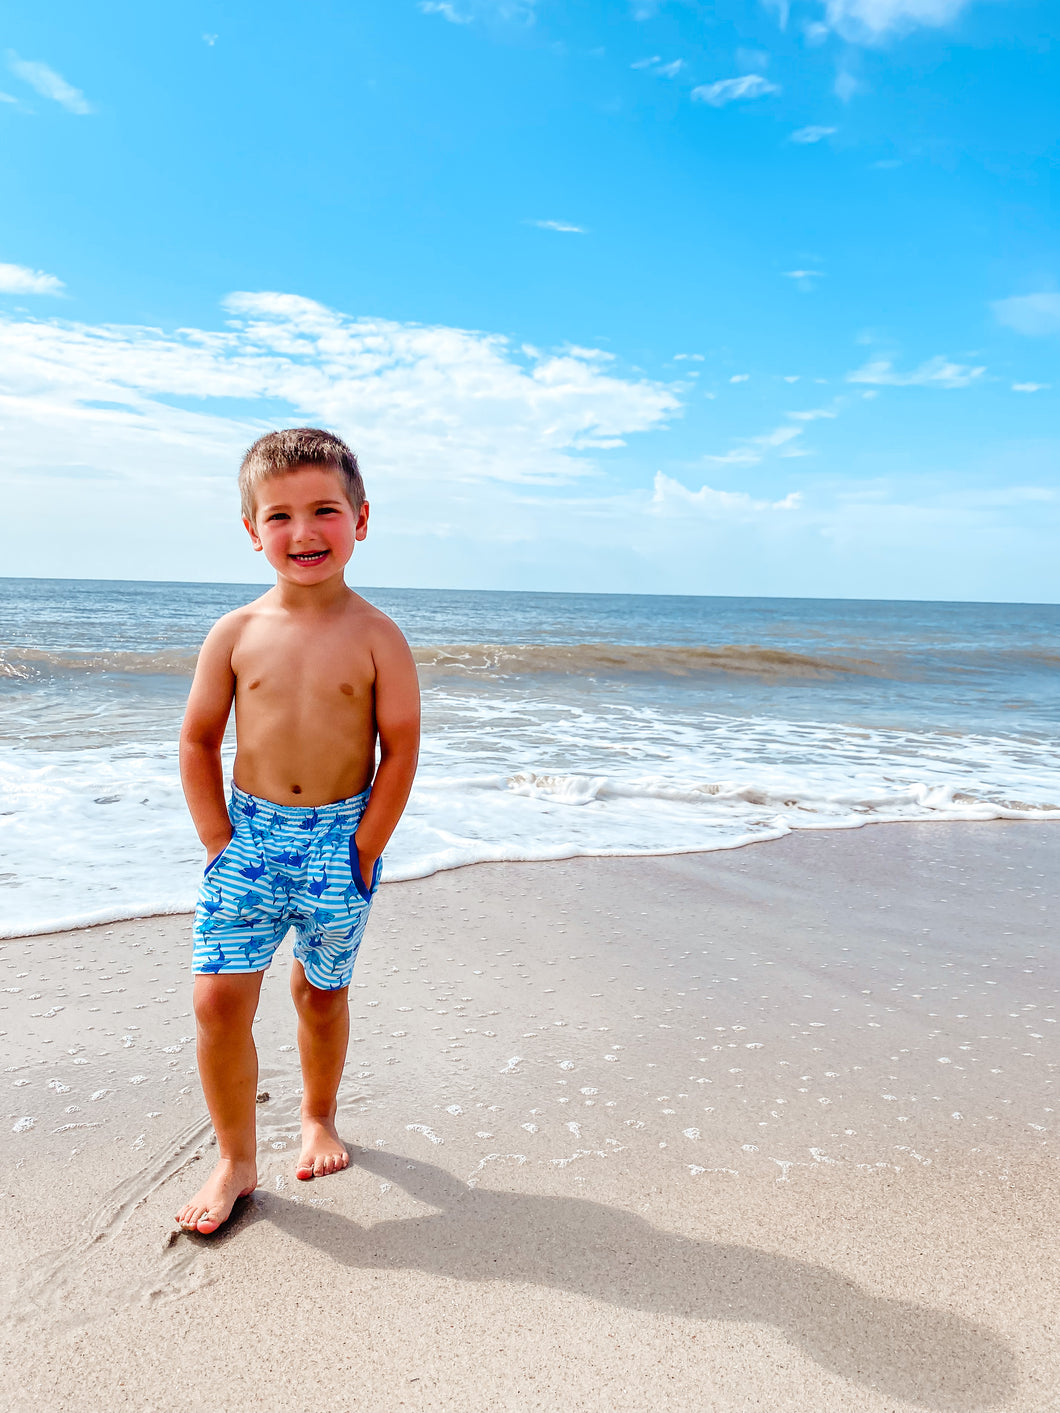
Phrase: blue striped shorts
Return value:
(285, 866)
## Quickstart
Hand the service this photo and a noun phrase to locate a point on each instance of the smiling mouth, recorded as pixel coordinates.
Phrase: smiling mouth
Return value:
(314, 558)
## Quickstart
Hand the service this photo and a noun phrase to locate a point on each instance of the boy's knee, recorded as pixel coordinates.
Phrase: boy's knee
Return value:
(222, 1002)
(315, 1004)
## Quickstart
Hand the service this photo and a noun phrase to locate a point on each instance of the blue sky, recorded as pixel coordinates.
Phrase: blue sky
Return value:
(666, 297)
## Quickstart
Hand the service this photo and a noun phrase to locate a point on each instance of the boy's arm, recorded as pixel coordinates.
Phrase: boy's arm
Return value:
(397, 719)
(205, 719)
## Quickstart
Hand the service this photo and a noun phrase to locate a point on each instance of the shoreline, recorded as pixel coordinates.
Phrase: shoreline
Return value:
(983, 814)
(780, 1119)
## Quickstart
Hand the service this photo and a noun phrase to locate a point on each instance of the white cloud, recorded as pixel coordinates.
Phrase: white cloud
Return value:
(520, 11)
(693, 357)
(1030, 387)
(421, 404)
(447, 11)
(656, 65)
(846, 85)
(804, 278)
(669, 494)
(752, 450)
(20, 279)
(565, 226)
(865, 21)
(936, 372)
(48, 83)
(1033, 314)
(210, 39)
(816, 33)
(7, 97)
(812, 134)
(730, 90)
(813, 415)
(740, 378)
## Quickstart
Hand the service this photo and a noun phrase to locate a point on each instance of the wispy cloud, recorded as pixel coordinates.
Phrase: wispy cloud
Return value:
(1029, 387)
(846, 85)
(739, 378)
(48, 83)
(1034, 314)
(750, 451)
(447, 11)
(812, 134)
(866, 21)
(814, 414)
(656, 66)
(731, 90)
(421, 403)
(20, 279)
(669, 494)
(693, 357)
(519, 11)
(936, 372)
(805, 279)
(210, 39)
(565, 226)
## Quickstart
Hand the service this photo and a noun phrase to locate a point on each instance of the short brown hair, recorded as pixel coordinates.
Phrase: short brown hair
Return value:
(278, 452)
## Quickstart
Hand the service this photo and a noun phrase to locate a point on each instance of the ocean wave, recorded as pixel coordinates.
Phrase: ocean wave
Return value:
(31, 664)
(486, 660)
(618, 659)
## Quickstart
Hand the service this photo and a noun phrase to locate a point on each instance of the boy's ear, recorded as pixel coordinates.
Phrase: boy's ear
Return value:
(252, 533)
(362, 522)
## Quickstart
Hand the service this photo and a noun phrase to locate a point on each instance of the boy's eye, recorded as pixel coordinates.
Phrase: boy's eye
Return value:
(327, 510)
(277, 515)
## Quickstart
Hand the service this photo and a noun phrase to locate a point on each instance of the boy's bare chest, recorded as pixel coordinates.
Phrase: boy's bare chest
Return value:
(291, 665)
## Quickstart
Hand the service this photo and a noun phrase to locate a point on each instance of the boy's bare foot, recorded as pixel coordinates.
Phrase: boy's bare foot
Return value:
(213, 1202)
(322, 1150)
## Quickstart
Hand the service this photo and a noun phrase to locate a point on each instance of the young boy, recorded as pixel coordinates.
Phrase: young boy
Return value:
(318, 677)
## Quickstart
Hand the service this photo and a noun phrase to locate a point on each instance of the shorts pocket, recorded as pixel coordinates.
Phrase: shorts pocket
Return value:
(216, 859)
(355, 871)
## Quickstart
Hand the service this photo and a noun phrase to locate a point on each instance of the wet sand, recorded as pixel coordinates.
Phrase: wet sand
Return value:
(770, 1129)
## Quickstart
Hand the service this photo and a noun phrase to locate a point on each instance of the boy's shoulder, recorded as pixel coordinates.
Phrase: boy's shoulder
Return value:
(230, 625)
(377, 627)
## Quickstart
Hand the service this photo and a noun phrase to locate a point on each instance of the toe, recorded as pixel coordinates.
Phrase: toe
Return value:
(304, 1171)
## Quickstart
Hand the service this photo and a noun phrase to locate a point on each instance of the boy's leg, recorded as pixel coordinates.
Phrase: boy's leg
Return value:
(323, 1035)
(228, 1068)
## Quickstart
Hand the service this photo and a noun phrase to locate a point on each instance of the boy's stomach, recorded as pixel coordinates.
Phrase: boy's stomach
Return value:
(312, 766)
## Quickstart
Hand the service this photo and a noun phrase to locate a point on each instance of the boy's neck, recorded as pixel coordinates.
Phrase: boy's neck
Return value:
(316, 597)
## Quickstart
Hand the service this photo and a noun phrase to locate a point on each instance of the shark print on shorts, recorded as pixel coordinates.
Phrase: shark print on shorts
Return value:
(285, 866)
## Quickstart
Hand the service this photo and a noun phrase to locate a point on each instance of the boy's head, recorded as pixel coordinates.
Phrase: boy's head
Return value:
(277, 453)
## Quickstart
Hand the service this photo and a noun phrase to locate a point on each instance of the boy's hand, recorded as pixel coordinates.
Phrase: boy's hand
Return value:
(367, 862)
(215, 848)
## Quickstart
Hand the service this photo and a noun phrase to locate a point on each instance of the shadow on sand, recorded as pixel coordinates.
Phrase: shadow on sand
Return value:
(896, 1348)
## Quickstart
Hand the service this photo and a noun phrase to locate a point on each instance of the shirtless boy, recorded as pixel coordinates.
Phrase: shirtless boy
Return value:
(318, 677)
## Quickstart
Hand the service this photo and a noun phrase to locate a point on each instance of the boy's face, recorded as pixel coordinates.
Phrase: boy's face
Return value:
(304, 524)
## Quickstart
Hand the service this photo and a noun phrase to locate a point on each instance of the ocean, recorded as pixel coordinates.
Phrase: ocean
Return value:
(554, 725)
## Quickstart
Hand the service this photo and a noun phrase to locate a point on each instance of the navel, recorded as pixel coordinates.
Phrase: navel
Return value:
(345, 688)
(296, 789)
(252, 685)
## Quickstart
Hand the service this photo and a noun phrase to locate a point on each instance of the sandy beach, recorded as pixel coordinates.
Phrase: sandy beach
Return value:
(771, 1128)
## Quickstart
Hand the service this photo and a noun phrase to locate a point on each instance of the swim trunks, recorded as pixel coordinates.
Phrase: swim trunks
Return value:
(286, 866)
